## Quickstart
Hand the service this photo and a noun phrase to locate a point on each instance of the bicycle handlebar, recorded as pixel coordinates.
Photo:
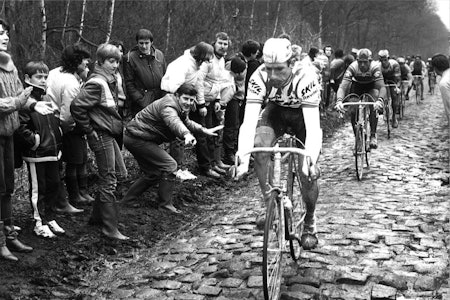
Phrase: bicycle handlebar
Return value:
(358, 103)
(294, 150)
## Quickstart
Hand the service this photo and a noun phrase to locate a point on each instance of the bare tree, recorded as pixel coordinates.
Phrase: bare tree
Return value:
(66, 18)
(169, 14)
(276, 19)
(43, 44)
(83, 10)
(110, 21)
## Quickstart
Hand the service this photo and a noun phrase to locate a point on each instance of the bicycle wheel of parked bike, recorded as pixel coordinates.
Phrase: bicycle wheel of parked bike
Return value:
(359, 152)
(294, 215)
(272, 249)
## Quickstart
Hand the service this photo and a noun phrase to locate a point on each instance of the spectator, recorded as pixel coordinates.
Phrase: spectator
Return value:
(42, 142)
(12, 99)
(95, 110)
(328, 51)
(337, 69)
(63, 85)
(251, 50)
(190, 68)
(144, 68)
(238, 70)
(161, 121)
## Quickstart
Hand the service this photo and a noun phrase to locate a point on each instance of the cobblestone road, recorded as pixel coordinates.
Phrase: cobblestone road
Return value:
(381, 238)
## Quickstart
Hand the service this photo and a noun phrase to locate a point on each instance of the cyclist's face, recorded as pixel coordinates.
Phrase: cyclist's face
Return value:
(363, 65)
(384, 62)
(278, 73)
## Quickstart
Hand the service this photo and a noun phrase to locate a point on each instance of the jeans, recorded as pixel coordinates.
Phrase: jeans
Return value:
(105, 157)
(231, 130)
(201, 148)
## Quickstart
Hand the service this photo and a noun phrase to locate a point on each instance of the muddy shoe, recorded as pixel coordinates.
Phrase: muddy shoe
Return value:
(373, 142)
(309, 238)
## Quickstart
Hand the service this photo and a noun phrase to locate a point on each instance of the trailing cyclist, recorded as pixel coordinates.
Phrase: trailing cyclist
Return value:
(291, 92)
(364, 76)
(431, 76)
(391, 74)
(405, 73)
(418, 68)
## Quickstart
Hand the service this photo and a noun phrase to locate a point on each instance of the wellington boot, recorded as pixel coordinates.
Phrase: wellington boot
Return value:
(108, 215)
(18, 246)
(6, 254)
(95, 218)
(69, 209)
(82, 185)
(165, 191)
(137, 189)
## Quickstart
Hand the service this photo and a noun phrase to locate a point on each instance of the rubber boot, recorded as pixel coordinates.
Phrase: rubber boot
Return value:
(108, 213)
(4, 251)
(137, 189)
(73, 190)
(165, 193)
(13, 243)
(82, 185)
(95, 218)
(62, 205)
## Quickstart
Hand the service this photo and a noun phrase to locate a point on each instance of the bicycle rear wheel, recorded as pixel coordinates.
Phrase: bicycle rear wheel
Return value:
(359, 151)
(387, 111)
(294, 210)
(272, 249)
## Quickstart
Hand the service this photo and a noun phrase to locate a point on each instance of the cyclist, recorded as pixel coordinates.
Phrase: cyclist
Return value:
(391, 74)
(292, 96)
(405, 73)
(364, 76)
(431, 74)
(418, 67)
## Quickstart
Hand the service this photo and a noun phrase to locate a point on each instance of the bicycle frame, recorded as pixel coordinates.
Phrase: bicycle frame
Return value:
(388, 106)
(418, 83)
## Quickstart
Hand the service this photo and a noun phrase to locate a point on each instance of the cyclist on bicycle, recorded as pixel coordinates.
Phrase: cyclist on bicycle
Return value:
(405, 73)
(419, 68)
(431, 75)
(292, 96)
(364, 76)
(391, 74)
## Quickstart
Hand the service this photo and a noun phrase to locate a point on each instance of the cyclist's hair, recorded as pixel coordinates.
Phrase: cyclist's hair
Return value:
(440, 62)
(33, 67)
(72, 56)
(186, 89)
(202, 50)
(250, 47)
(105, 51)
(339, 53)
(144, 34)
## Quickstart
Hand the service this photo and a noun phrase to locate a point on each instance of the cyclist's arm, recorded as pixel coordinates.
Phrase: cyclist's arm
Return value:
(343, 87)
(313, 141)
(247, 131)
(379, 85)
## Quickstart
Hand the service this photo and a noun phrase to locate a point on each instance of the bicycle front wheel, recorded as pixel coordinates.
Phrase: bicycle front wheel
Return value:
(402, 105)
(418, 93)
(272, 249)
(387, 111)
(359, 152)
(294, 210)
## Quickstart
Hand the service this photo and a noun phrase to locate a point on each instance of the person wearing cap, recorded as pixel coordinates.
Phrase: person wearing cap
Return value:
(191, 67)
(238, 71)
(418, 68)
(292, 96)
(363, 76)
(405, 73)
(391, 74)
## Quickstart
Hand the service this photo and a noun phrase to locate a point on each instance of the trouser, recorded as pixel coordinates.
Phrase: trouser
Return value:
(201, 148)
(231, 130)
(121, 168)
(6, 184)
(213, 142)
(104, 150)
(44, 186)
(177, 151)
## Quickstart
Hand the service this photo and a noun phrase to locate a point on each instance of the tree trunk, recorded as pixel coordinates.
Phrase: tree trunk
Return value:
(66, 18)
(276, 19)
(80, 32)
(169, 17)
(252, 15)
(110, 21)
(43, 29)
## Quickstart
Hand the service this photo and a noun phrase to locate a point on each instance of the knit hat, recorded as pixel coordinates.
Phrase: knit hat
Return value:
(237, 65)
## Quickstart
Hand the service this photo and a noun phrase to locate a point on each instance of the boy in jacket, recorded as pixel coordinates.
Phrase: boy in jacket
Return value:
(96, 111)
(41, 140)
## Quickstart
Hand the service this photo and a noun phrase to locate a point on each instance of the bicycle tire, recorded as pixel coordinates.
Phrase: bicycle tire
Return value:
(293, 216)
(359, 151)
(418, 93)
(387, 111)
(272, 249)
(402, 105)
(366, 144)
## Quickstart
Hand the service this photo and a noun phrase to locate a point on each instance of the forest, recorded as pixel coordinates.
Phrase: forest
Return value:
(40, 29)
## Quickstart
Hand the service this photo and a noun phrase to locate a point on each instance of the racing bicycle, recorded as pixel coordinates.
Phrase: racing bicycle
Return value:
(418, 85)
(362, 129)
(432, 81)
(285, 210)
(402, 104)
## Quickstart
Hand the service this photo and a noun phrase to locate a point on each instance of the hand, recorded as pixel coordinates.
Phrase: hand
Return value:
(25, 94)
(378, 104)
(216, 106)
(43, 108)
(212, 131)
(310, 169)
(94, 135)
(340, 107)
(203, 111)
(220, 115)
(397, 90)
(189, 140)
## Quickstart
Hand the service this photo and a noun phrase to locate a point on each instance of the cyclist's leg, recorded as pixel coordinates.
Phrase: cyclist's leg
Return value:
(394, 105)
(421, 88)
(373, 120)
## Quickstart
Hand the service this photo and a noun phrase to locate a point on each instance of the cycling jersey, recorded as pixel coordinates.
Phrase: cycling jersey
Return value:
(303, 88)
(404, 71)
(353, 73)
(392, 72)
